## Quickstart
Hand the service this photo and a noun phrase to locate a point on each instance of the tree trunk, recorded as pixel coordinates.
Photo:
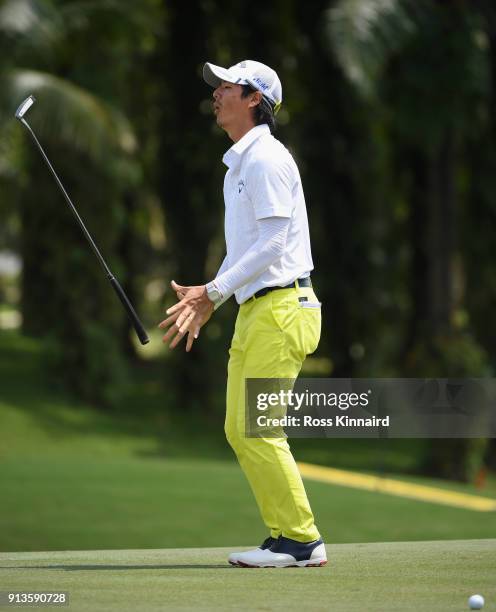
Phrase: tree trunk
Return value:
(189, 182)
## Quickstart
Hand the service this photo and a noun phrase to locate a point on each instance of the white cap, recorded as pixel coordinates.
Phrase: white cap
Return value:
(248, 72)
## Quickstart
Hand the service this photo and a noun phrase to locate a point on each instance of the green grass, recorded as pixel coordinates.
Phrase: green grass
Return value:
(73, 477)
(379, 577)
(54, 502)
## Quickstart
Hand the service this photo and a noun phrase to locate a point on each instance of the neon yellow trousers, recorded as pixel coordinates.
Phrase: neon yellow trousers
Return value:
(272, 336)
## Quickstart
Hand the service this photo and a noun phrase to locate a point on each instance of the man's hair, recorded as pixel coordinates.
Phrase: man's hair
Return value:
(262, 112)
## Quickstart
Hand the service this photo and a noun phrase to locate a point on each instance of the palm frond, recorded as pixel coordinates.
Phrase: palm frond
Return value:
(36, 22)
(39, 22)
(67, 112)
(364, 33)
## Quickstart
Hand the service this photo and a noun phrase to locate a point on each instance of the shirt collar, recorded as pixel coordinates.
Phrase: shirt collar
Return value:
(233, 156)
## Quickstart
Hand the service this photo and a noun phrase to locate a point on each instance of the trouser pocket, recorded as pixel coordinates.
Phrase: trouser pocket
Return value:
(311, 315)
(298, 317)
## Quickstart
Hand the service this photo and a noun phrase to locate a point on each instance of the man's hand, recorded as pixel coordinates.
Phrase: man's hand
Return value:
(187, 316)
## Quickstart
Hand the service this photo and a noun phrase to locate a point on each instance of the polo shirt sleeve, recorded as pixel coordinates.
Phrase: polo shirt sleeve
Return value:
(269, 185)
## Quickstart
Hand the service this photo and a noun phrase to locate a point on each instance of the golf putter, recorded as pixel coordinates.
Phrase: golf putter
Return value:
(128, 307)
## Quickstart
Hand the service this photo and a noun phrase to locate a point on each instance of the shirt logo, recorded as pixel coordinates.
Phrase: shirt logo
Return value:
(241, 185)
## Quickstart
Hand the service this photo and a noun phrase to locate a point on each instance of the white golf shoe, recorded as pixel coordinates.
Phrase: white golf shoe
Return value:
(267, 543)
(285, 553)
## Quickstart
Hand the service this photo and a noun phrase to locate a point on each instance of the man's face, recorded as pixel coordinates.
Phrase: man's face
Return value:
(229, 107)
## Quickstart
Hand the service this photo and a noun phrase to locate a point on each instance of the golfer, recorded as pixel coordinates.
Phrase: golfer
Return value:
(267, 267)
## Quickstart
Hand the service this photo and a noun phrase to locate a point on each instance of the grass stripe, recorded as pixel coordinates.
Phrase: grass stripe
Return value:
(399, 488)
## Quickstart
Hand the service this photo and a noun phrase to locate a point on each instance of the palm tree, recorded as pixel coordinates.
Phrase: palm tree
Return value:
(92, 144)
(31, 30)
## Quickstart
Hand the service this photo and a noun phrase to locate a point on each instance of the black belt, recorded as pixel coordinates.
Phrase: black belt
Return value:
(302, 282)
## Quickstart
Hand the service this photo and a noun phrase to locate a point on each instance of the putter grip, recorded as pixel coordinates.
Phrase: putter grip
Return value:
(140, 330)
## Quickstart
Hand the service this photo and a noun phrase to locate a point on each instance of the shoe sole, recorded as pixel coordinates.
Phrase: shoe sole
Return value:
(297, 564)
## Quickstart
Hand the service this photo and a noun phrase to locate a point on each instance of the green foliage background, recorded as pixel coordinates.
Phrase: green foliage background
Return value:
(388, 109)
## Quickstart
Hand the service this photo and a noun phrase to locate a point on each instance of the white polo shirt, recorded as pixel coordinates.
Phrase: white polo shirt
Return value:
(263, 181)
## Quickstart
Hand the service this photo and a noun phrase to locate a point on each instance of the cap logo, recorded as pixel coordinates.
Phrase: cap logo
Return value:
(261, 83)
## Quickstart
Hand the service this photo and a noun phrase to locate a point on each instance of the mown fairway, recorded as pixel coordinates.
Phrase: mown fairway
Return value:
(374, 577)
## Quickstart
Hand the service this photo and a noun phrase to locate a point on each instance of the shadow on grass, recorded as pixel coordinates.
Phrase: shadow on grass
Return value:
(78, 568)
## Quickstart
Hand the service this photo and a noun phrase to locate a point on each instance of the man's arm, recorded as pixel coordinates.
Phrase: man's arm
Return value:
(212, 284)
(270, 245)
(269, 184)
(195, 308)
(223, 267)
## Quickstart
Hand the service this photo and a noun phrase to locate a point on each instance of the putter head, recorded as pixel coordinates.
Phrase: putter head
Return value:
(24, 107)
